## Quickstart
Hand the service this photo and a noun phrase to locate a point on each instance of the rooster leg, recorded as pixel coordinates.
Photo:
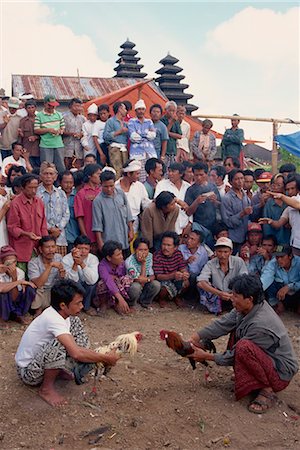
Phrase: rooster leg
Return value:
(111, 379)
(96, 379)
(207, 377)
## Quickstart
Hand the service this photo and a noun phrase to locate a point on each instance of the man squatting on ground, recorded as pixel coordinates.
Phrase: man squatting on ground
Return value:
(54, 341)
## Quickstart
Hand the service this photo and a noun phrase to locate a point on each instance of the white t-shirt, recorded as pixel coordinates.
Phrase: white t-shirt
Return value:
(98, 130)
(138, 200)
(88, 275)
(49, 325)
(4, 278)
(10, 161)
(184, 141)
(87, 140)
(293, 216)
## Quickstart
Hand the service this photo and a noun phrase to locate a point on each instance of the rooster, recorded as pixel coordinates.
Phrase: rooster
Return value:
(184, 348)
(123, 344)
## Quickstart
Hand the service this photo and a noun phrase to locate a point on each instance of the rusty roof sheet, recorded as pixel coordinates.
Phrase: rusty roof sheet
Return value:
(65, 88)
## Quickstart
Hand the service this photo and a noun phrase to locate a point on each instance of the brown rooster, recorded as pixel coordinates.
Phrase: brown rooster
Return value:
(184, 348)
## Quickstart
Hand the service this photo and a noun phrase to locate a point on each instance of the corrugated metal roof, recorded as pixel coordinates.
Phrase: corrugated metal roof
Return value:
(65, 88)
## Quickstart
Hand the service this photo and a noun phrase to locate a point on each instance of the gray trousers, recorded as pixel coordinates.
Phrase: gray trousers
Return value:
(144, 294)
(53, 155)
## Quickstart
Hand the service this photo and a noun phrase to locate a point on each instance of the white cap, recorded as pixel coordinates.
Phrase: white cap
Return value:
(111, 169)
(140, 104)
(26, 97)
(92, 109)
(133, 166)
(224, 242)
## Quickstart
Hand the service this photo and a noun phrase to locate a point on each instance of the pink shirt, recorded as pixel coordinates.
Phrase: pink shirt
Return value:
(25, 215)
(83, 207)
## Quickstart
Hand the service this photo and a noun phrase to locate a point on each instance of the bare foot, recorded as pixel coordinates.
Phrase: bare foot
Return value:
(22, 320)
(65, 375)
(52, 397)
(91, 312)
(37, 312)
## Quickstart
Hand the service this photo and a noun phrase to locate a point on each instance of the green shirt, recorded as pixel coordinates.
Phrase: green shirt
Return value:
(232, 142)
(55, 121)
(176, 128)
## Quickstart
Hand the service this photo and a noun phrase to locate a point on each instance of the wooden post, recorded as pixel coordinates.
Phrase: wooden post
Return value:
(274, 148)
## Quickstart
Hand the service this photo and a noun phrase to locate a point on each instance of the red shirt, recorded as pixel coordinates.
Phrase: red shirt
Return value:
(83, 207)
(25, 215)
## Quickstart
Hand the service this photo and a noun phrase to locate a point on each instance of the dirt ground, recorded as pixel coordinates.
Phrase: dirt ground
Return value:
(155, 401)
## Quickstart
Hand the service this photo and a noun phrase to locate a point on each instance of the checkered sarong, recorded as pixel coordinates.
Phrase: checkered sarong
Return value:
(61, 250)
(53, 355)
(143, 173)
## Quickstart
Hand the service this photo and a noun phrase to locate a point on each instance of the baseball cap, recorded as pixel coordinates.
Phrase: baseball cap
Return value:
(264, 177)
(282, 250)
(224, 242)
(13, 102)
(254, 227)
(51, 99)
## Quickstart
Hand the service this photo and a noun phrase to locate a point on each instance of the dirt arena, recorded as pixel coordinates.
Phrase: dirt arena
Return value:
(155, 401)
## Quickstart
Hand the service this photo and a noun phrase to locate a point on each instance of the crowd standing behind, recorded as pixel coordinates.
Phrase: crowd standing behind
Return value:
(137, 211)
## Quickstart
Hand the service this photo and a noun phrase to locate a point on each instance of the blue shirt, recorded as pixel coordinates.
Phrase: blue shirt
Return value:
(141, 144)
(201, 258)
(274, 211)
(205, 213)
(231, 208)
(161, 135)
(256, 264)
(111, 216)
(72, 228)
(111, 126)
(273, 272)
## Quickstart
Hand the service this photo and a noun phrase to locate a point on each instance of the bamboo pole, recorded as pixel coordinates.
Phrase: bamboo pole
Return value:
(247, 118)
(274, 149)
(274, 122)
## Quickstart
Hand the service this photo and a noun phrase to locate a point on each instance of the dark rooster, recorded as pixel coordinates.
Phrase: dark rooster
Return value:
(184, 348)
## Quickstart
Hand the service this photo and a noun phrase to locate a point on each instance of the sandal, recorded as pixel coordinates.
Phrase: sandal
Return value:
(265, 405)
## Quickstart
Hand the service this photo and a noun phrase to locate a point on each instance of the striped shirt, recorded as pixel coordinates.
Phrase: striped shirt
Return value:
(55, 121)
(166, 264)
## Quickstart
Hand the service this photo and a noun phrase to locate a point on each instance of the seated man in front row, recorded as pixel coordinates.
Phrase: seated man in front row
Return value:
(216, 275)
(82, 266)
(44, 271)
(170, 269)
(261, 353)
(281, 280)
(16, 294)
(54, 340)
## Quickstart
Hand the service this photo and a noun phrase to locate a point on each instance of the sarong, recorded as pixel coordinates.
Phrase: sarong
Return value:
(173, 287)
(18, 307)
(254, 370)
(211, 301)
(104, 297)
(53, 355)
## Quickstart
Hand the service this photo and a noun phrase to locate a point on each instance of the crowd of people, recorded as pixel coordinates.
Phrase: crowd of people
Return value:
(137, 212)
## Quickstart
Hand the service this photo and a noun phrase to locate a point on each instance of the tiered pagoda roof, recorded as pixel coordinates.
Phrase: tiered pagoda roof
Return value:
(128, 66)
(170, 82)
